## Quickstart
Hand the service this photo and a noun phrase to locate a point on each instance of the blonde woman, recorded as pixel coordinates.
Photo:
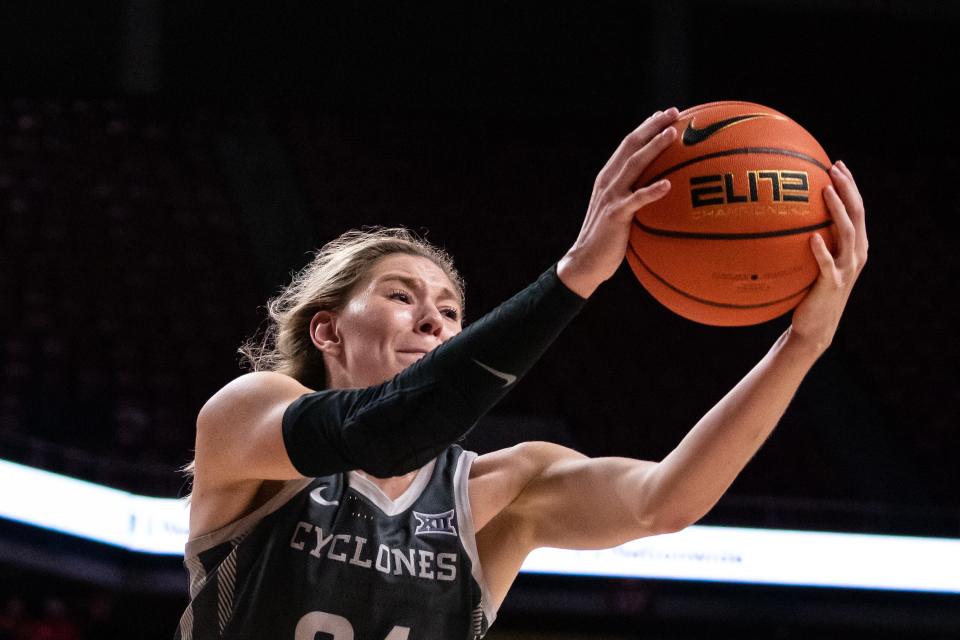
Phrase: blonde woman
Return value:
(330, 496)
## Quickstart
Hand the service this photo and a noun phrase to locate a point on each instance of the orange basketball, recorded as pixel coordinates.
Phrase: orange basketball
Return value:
(729, 245)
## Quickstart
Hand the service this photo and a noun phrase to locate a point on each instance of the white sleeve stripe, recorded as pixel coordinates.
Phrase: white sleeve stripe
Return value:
(467, 533)
(226, 577)
(186, 623)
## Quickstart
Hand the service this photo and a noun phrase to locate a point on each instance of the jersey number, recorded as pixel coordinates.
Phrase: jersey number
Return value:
(337, 626)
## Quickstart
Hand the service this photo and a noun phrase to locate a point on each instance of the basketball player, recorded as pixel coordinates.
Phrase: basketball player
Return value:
(330, 497)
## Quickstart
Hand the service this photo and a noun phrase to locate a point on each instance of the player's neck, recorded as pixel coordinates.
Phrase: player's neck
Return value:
(392, 487)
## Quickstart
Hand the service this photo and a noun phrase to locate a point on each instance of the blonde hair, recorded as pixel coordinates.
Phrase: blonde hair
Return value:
(326, 283)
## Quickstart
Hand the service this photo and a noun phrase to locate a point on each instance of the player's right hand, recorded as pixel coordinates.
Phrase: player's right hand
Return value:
(602, 243)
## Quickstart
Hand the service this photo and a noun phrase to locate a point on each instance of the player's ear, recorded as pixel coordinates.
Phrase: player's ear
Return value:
(323, 332)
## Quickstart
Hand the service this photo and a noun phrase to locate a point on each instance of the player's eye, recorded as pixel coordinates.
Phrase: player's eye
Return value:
(403, 296)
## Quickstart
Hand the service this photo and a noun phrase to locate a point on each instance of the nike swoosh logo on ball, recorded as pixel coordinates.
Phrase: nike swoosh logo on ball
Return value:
(692, 135)
(508, 378)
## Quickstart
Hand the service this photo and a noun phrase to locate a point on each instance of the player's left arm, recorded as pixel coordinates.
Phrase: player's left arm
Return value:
(571, 501)
(575, 502)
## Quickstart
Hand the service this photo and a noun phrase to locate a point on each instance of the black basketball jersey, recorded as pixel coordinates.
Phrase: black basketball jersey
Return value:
(334, 555)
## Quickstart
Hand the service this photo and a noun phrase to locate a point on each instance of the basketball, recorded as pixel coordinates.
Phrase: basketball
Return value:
(729, 245)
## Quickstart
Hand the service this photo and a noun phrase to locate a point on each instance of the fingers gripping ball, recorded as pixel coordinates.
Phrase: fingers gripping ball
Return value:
(729, 245)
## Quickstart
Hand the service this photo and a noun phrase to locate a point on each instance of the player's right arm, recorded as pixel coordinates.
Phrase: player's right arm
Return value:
(239, 430)
(268, 426)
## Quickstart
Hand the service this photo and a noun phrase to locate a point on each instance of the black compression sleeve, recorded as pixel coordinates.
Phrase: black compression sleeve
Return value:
(398, 426)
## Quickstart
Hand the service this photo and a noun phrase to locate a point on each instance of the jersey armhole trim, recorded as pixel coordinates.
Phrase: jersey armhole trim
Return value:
(242, 526)
(467, 532)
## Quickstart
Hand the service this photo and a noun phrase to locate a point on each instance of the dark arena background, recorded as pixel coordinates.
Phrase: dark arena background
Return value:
(164, 168)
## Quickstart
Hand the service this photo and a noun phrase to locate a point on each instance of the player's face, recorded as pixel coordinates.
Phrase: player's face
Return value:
(405, 307)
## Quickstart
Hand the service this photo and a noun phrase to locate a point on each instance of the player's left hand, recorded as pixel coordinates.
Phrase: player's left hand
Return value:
(816, 318)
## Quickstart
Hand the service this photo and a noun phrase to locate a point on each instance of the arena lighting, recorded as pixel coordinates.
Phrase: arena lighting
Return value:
(93, 511)
(698, 553)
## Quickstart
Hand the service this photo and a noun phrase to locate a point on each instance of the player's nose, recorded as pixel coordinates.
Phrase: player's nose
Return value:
(430, 322)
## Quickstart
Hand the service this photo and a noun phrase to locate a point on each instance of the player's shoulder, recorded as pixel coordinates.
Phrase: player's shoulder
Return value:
(254, 389)
(526, 457)
(498, 478)
(261, 380)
